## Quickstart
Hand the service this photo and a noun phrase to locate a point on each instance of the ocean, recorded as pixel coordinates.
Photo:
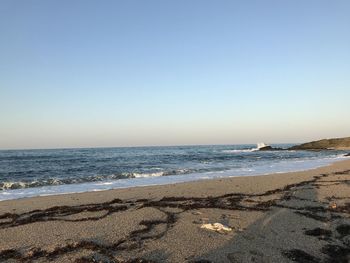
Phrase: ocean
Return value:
(26, 173)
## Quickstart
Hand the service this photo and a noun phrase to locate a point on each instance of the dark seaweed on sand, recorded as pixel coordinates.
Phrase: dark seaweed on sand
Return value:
(136, 239)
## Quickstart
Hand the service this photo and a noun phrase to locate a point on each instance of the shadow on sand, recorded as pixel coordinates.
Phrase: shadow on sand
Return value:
(302, 227)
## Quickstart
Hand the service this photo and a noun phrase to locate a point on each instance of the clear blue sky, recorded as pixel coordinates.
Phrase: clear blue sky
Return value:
(124, 73)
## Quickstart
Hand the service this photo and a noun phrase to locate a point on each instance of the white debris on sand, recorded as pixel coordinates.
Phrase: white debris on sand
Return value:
(217, 227)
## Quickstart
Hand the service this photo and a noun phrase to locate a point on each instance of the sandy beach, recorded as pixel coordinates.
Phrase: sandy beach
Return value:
(300, 216)
(174, 131)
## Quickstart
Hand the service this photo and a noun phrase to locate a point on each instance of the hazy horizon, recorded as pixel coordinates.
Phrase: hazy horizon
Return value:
(141, 146)
(166, 145)
(156, 73)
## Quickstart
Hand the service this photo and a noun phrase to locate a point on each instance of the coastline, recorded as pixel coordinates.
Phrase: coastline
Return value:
(268, 215)
(259, 170)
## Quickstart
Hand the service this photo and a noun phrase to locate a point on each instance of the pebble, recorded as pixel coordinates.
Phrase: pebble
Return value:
(196, 213)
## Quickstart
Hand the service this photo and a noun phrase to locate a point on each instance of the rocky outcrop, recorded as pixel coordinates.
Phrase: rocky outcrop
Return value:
(325, 144)
(270, 148)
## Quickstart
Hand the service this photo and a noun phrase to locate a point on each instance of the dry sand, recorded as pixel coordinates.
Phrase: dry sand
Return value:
(301, 216)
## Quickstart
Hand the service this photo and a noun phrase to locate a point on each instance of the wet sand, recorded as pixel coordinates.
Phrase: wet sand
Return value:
(290, 217)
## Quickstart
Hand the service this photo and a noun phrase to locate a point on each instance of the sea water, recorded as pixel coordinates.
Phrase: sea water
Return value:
(26, 173)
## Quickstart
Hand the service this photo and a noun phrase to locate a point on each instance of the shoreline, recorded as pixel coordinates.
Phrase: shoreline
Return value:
(273, 218)
(149, 188)
(100, 186)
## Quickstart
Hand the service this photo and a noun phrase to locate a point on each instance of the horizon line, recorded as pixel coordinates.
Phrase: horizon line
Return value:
(139, 146)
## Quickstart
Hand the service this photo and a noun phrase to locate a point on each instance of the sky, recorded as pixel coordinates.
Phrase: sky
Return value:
(132, 73)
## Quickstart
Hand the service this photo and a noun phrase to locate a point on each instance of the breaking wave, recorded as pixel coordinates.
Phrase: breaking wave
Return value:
(97, 178)
(257, 148)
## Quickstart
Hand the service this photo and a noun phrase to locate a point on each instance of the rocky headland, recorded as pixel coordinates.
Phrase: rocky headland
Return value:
(325, 144)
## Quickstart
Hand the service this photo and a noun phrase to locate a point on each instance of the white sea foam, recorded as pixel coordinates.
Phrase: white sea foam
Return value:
(99, 179)
(141, 175)
(259, 145)
(240, 151)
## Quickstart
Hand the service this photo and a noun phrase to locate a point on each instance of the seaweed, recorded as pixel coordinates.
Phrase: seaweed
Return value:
(301, 256)
(319, 232)
(343, 230)
(135, 239)
(336, 254)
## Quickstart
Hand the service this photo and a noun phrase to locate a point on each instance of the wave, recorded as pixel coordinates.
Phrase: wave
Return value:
(97, 178)
(138, 175)
(257, 148)
(156, 178)
(240, 151)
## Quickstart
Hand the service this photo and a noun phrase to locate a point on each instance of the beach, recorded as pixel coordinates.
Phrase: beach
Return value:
(174, 131)
(284, 217)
